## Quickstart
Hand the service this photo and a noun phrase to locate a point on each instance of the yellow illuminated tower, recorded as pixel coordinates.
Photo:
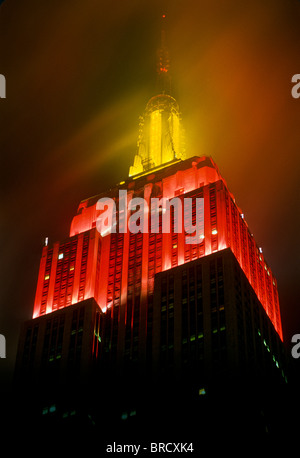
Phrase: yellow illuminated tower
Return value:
(160, 139)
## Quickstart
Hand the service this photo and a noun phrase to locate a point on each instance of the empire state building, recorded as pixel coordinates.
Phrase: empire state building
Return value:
(131, 327)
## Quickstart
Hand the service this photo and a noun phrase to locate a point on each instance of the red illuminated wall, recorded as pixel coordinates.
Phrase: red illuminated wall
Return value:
(69, 273)
(119, 269)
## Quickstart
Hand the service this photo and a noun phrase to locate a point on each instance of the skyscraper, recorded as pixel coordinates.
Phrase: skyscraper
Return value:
(138, 314)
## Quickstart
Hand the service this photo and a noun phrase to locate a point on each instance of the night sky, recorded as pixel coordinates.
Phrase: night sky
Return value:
(79, 74)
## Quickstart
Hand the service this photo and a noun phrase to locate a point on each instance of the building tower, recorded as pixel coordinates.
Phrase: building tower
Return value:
(133, 313)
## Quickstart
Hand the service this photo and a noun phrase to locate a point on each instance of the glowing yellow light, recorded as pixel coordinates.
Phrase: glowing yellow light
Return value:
(176, 133)
(155, 137)
(159, 140)
(214, 231)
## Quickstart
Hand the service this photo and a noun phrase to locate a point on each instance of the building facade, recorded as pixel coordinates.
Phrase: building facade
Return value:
(127, 262)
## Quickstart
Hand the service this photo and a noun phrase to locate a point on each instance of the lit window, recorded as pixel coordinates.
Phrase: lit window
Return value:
(60, 256)
(214, 231)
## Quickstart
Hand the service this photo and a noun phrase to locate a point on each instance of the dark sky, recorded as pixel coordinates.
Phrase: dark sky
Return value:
(79, 73)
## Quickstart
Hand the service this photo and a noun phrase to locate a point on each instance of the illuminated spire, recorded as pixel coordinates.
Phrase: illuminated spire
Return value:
(160, 136)
(163, 62)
